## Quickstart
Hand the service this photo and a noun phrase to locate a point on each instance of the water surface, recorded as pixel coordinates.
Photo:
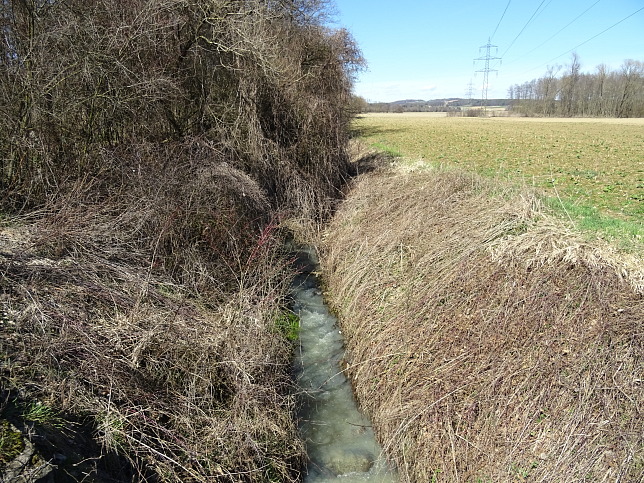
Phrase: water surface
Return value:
(340, 441)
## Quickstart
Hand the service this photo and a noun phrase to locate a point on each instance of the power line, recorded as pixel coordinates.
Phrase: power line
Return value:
(588, 40)
(501, 19)
(524, 27)
(557, 32)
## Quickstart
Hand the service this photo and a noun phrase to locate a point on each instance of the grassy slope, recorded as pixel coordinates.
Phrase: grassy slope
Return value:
(487, 341)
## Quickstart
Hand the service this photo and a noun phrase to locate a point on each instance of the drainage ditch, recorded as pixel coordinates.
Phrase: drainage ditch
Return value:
(340, 441)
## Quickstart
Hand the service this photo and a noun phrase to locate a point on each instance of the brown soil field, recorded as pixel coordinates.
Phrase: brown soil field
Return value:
(637, 121)
(593, 164)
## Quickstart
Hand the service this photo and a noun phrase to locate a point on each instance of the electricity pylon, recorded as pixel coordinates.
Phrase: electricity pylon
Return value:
(486, 70)
(469, 91)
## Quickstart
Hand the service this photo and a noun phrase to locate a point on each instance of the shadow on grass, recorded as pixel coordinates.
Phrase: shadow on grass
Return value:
(57, 447)
(372, 161)
(366, 131)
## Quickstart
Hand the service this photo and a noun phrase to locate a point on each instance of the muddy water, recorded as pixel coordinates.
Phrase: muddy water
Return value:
(340, 442)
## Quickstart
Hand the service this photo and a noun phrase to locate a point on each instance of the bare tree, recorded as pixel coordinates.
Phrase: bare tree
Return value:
(599, 102)
(631, 82)
(604, 93)
(569, 87)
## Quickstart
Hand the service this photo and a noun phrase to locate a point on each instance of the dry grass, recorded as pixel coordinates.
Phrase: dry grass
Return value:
(146, 322)
(185, 388)
(486, 341)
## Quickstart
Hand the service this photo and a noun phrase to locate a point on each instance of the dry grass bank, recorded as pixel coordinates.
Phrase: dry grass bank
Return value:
(139, 336)
(486, 341)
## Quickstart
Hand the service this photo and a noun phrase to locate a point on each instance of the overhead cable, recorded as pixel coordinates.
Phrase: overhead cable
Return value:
(524, 27)
(591, 38)
(501, 19)
(556, 33)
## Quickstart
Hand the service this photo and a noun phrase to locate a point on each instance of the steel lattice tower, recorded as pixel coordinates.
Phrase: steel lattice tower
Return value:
(486, 70)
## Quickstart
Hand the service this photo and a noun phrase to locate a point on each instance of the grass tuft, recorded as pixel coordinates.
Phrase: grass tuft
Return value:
(288, 324)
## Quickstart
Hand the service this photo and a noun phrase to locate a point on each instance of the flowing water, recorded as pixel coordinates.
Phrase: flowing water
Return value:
(339, 439)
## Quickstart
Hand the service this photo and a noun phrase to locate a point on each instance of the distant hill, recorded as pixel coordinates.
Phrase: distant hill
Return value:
(408, 101)
(433, 105)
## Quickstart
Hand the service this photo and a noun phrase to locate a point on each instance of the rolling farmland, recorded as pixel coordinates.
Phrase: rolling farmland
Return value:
(595, 167)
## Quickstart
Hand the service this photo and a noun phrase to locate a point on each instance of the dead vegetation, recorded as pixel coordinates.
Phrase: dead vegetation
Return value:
(150, 152)
(486, 341)
(151, 328)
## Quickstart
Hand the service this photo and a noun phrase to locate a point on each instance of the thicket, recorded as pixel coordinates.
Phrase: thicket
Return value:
(604, 93)
(149, 150)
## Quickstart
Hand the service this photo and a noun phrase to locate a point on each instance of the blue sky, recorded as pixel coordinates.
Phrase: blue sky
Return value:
(425, 49)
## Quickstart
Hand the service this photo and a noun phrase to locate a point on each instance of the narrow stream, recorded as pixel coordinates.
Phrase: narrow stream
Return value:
(340, 442)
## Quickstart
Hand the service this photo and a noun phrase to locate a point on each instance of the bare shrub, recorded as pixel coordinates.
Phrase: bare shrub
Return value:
(486, 341)
(186, 387)
(151, 150)
(264, 82)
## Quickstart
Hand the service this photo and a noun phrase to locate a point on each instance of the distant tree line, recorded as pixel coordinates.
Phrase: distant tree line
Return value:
(603, 93)
(451, 105)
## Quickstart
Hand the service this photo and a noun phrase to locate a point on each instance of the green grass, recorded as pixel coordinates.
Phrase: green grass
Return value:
(288, 324)
(391, 150)
(590, 172)
(590, 219)
(42, 414)
(11, 442)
